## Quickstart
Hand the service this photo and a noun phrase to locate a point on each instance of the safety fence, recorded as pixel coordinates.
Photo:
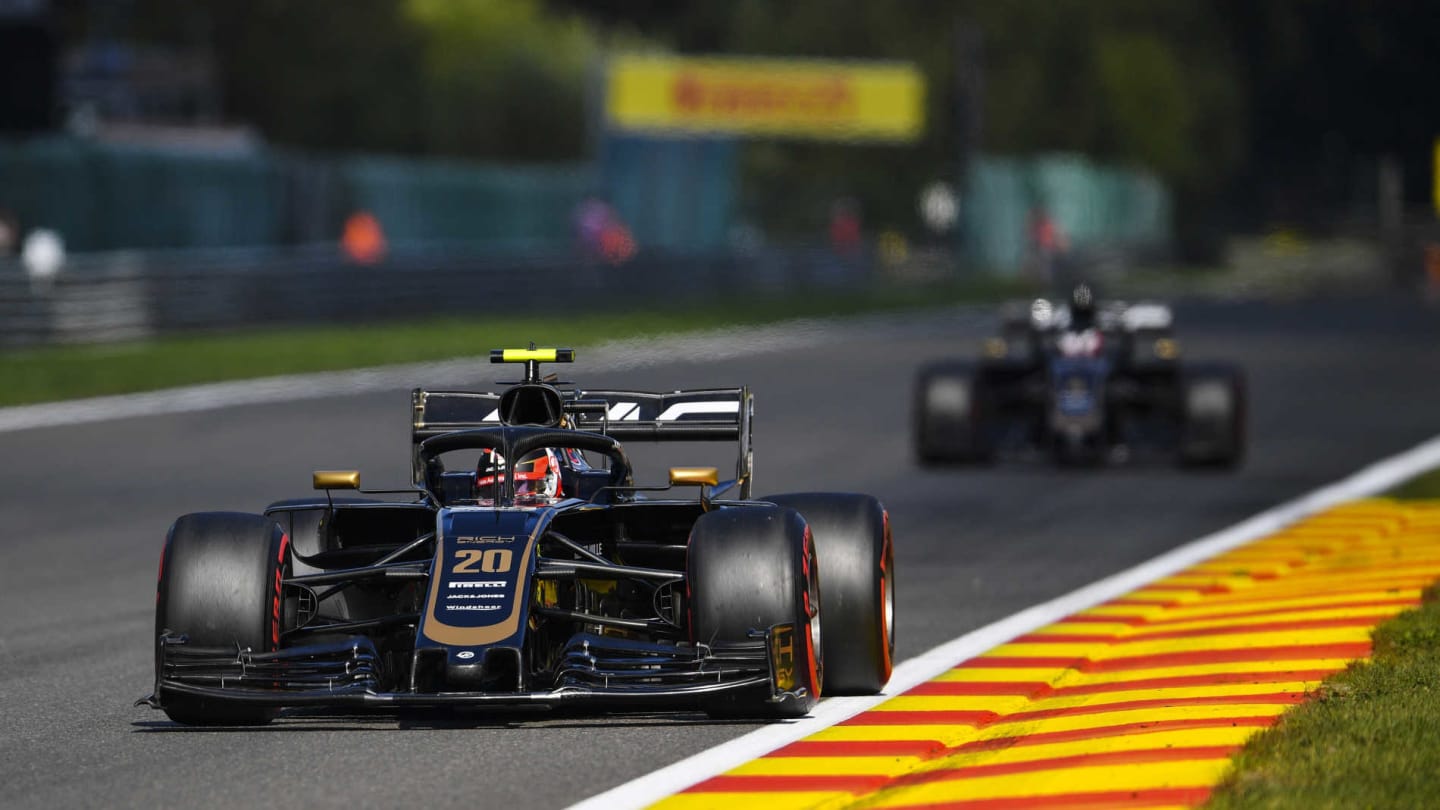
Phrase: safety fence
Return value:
(674, 194)
(128, 296)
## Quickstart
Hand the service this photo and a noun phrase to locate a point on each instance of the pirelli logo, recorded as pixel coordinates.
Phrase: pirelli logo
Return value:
(782, 657)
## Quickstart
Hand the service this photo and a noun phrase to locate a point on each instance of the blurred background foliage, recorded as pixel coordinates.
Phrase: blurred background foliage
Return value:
(1253, 111)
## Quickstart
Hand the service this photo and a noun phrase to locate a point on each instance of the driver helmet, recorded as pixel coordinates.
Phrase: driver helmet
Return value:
(1082, 307)
(537, 474)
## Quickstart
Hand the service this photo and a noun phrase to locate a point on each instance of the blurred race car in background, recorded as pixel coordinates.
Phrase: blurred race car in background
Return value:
(1083, 382)
(525, 567)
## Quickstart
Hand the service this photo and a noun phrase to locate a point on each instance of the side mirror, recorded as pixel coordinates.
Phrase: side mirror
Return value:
(703, 477)
(336, 479)
(694, 476)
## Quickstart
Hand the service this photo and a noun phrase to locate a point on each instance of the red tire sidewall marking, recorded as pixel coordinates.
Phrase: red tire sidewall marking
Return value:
(886, 563)
(812, 665)
(279, 585)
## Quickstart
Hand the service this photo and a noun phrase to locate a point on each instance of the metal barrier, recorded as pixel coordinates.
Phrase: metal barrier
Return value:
(112, 297)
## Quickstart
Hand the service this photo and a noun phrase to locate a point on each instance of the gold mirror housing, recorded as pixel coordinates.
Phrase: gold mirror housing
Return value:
(694, 476)
(337, 479)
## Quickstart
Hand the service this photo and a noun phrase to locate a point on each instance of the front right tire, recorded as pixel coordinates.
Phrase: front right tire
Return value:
(220, 586)
(748, 569)
(857, 560)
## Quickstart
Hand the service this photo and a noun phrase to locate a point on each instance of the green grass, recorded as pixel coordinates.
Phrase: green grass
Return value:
(67, 372)
(1420, 488)
(1369, 738)
(1371, 735)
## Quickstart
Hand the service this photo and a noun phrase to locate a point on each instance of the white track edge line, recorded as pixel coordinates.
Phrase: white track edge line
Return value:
(615, 355)
(674, 778)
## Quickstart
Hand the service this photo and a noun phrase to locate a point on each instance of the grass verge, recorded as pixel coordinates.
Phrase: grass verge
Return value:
(1424, 487)
(1370, 737)
(67, 372)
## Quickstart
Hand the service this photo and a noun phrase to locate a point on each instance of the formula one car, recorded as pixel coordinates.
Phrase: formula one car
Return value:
(1083, 382)
(528, 568)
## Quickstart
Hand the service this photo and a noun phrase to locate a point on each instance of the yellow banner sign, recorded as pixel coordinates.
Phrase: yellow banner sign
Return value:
(766, 97)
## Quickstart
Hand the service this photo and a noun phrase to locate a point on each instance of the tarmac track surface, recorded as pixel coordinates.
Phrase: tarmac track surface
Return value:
(1333, 386)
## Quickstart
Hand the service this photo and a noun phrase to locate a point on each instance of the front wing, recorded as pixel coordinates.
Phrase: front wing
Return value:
(598, 671)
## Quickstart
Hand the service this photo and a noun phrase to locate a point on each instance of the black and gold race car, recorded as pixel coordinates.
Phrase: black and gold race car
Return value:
(1081, 381)
(525, 566)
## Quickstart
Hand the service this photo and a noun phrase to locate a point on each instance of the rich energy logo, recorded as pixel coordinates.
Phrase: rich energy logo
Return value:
(487, 538)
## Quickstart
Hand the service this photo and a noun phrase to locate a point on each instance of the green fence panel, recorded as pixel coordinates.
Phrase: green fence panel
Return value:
(1094, 206)
(46, 184)
(102, 197)
(676, 194)
(431, 202)
(109, 197)
(993, 210)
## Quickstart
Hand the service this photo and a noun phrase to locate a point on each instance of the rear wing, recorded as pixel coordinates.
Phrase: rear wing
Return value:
(438, 412)
(719, 414)
(700, 415)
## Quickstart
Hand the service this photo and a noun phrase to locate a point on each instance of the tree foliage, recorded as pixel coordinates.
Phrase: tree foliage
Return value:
(1218, 96)
(502, 78)
(489, 79)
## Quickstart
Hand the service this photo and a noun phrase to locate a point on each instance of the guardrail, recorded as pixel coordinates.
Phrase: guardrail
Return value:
(114, 297)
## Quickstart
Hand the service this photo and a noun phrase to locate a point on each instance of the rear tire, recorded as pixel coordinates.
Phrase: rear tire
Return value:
(950, 415)
(220, 576)
(749, 568)
(857, 561)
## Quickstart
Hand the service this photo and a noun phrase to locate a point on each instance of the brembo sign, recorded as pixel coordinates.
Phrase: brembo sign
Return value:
(766, 97)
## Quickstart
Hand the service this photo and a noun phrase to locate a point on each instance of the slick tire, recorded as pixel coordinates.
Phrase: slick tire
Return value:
(220, 576)
(1212, 418)
(857, 566)
(750, 568)
(950, 415)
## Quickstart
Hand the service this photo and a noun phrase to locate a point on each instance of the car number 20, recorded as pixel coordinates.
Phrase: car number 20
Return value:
(488, 561)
